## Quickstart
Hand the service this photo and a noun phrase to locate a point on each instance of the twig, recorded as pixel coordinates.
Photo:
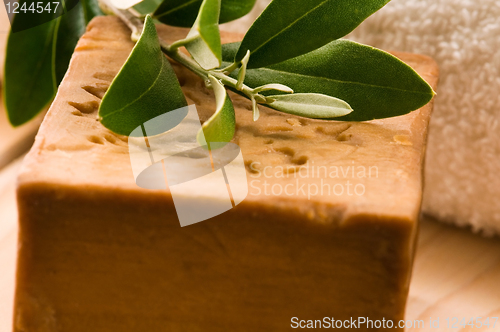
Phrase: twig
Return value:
(136, 26)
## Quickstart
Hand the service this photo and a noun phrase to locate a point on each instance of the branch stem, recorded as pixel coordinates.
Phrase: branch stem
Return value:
(192, 65)
(133, 23)
(172, 51)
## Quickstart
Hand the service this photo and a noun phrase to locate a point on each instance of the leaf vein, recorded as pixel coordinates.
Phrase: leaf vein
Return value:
(289, 26)
(341, 81)
(176, 8)
(142, 95)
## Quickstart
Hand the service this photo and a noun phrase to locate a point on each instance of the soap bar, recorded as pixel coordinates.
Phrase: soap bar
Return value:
(327, 231)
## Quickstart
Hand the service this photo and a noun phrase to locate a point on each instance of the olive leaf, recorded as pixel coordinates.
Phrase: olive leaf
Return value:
(45, 42)
(287, 29)
(311, 105)
(273, 86)
(69, 28)
(204, 37)
(145, 87)
(147, 6)
(183, 13)
(374, 83)
(29, 82)
(221, 126)
(90, 9)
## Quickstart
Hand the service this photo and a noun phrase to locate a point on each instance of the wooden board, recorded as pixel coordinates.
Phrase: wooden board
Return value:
(457, 274)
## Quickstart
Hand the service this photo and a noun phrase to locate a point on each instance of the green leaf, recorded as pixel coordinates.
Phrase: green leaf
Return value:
(243, 71)
(29, 80)
(311, 105)
(69, 28)
(205, 44)
(273, 86)
(287, 29)
(375, 83)
(221, 126)
(67, 5)
(234, 9)
(255, 109)
(147, 6)
(183, 13)
(45, 42)
(91, 9)
(145, 87)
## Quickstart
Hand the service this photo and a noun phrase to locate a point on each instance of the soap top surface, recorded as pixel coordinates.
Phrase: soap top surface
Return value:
(369, 168)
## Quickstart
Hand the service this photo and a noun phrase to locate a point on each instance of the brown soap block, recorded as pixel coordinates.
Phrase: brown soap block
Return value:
(97, 253)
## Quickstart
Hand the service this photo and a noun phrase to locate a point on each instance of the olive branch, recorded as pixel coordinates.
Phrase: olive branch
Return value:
(292, 59)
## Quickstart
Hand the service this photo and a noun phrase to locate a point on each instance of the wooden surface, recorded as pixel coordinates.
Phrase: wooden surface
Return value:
(457, 274)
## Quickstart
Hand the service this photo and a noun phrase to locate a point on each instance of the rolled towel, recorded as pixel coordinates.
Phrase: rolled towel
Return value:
(462, 182)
